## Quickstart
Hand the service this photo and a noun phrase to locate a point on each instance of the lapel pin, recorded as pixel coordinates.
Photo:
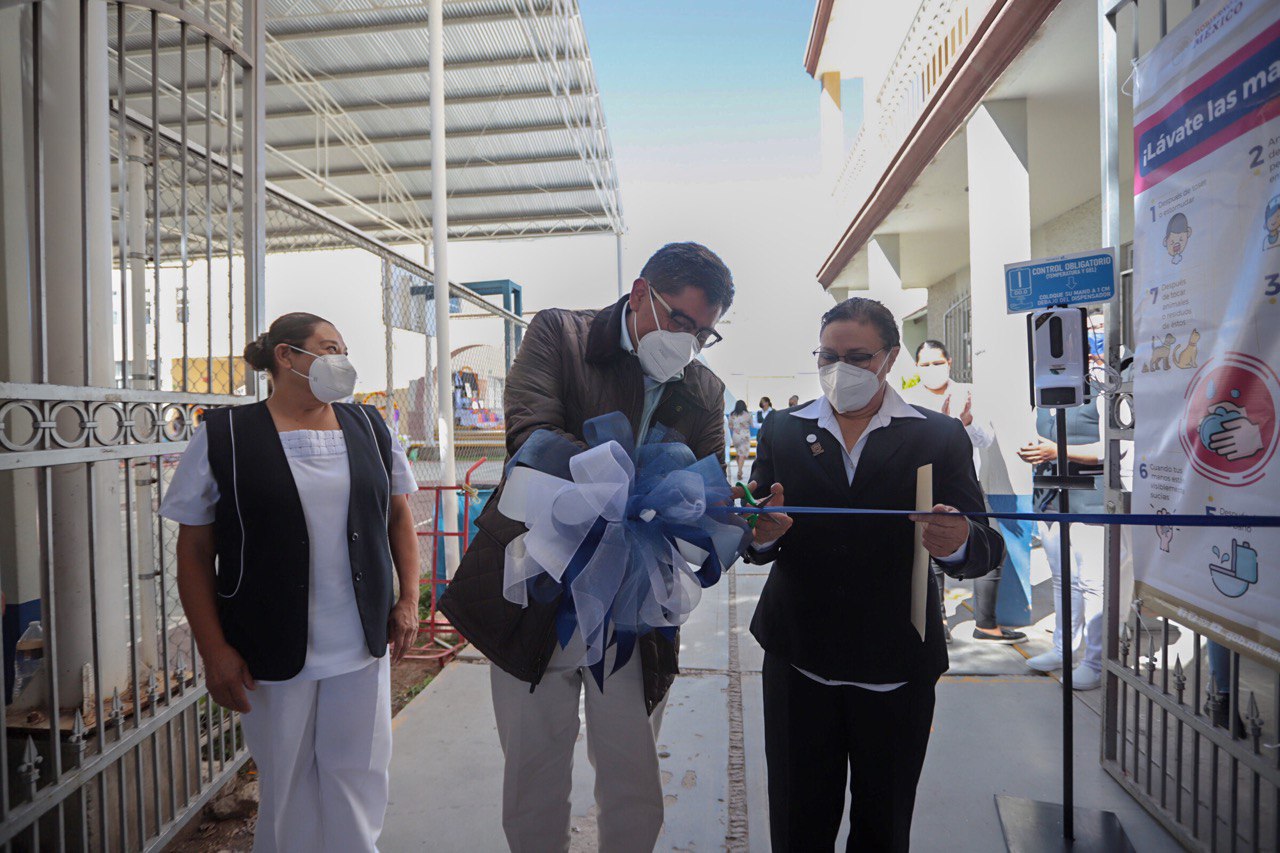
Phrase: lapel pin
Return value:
(816, 448)
(811, 438)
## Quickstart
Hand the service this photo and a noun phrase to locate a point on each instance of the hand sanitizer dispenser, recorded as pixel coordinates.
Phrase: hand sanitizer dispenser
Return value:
(1059, 346)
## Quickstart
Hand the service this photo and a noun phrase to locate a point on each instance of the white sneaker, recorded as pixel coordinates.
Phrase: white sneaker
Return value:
(1085, 678)
(1047, 662)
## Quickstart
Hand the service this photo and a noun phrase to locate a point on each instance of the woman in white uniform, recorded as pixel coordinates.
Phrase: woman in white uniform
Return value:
(294, 526)
(939, 392)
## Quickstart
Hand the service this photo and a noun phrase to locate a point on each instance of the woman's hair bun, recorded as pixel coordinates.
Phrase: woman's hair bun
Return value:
(292, 329)
(258, 353)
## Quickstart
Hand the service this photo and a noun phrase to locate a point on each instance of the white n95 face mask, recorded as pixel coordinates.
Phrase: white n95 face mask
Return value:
(846, 387)
(663, 354)
(332, 377)
(934, 375)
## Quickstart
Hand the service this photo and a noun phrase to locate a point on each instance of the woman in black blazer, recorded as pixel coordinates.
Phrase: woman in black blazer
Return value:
(848, 682)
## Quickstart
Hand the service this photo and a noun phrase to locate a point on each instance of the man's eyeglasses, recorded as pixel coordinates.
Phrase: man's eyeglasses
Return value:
(682, 322)
(856, 359)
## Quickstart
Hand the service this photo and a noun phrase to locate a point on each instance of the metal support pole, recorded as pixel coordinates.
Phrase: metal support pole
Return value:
(622, 286)
(255, 179)
(388, 344)
(140, 470)
(440, 251)
(1112, 595)
(1068, 636)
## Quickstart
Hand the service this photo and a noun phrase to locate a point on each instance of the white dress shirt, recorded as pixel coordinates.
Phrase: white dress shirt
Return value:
(652, 387)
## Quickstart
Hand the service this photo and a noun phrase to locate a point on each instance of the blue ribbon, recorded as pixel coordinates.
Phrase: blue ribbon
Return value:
(666, 508)
(1134, 519)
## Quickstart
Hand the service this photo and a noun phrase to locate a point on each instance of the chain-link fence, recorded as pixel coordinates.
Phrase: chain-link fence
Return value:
(185, 329)
(384, 304)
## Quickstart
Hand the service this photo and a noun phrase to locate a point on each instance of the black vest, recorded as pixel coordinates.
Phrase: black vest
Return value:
(263, 550)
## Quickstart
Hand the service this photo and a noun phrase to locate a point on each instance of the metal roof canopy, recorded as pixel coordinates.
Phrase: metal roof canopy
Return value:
(348, 124)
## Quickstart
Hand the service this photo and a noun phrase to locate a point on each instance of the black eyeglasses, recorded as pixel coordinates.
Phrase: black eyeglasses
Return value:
(682, 322)
(856, 359)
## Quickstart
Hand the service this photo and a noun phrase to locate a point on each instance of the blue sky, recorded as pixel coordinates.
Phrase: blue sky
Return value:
(714, 124)
(701, 74)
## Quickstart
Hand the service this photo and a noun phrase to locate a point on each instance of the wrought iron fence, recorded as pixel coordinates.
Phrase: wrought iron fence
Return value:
(132, 285)
(129, 254)
(1189, 727)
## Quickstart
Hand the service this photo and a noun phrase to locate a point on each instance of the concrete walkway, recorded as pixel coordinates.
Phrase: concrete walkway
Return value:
(996, 731)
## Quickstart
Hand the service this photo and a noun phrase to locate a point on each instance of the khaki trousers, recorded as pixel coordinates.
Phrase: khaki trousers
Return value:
(538, 731)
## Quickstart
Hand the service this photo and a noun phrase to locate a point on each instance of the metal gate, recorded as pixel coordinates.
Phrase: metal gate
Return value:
(119, 208)
(1214, 787)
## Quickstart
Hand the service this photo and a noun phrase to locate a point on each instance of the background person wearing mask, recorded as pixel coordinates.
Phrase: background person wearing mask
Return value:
(937, 391)
(634, 357)
(848, 684)
(293, 521)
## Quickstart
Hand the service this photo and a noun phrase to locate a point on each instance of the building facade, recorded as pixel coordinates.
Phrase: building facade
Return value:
(962, 135)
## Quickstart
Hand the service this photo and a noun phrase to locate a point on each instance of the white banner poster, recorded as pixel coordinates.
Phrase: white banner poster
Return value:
(1206, 319)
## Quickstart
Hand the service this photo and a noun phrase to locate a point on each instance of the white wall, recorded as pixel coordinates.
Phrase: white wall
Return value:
(1076, 230)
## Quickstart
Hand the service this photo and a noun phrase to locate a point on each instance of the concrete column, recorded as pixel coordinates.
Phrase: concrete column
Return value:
(78, 276)
(19, 551)
(831, 126)
(1000, 233)
(884, 278)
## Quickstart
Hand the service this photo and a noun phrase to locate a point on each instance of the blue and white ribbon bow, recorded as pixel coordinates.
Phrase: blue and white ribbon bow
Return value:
(623, 532)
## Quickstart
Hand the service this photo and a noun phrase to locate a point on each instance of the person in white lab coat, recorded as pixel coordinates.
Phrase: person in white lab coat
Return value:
(939, 392)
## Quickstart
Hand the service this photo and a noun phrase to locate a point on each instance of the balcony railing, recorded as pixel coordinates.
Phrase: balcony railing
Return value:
(935, 38)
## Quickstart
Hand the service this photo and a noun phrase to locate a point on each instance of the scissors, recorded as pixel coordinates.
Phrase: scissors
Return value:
(751, 501)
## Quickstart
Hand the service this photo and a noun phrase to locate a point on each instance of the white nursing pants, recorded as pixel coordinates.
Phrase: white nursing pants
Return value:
(323, 748)
(538, 731)
(1087, 571)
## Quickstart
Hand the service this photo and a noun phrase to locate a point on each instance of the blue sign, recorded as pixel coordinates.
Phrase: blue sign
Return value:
(1079, 279)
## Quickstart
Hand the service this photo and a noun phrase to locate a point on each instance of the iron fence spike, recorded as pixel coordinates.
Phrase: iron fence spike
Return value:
(29, 769)
(30, 756)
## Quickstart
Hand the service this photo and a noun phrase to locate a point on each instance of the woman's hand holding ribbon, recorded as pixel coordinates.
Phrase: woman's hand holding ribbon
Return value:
(944, 532)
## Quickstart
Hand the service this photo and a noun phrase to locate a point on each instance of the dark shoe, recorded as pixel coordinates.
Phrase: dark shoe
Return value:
(1005, 637)
(1219, 709)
